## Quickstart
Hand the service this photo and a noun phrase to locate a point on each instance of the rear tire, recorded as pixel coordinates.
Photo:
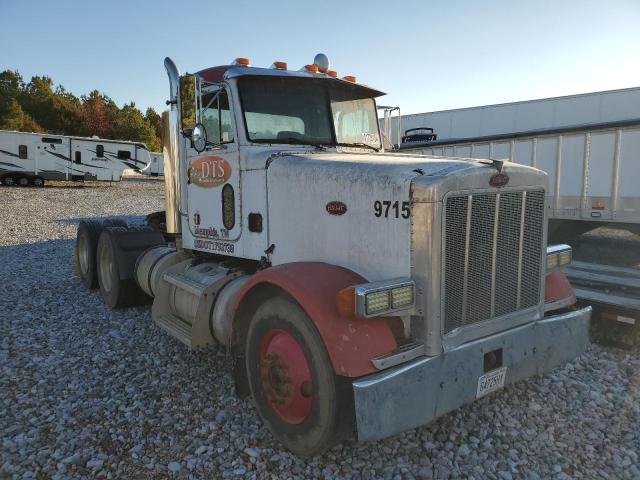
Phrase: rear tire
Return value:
(305, 405)
(114, 222)
(116, 293)
(86, 246)
(38, 182)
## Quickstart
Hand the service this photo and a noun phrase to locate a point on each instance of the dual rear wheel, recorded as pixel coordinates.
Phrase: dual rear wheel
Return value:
(97, 263)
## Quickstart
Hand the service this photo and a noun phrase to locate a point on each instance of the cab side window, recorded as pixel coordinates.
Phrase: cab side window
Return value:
(216, 117)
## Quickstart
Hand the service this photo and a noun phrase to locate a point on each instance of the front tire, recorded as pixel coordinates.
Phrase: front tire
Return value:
(304, 404)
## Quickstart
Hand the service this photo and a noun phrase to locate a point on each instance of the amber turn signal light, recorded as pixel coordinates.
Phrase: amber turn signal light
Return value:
(346, 302)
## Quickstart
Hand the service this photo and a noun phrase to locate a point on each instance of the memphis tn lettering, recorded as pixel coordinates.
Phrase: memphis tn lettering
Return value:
(211, 232)
(209, 172)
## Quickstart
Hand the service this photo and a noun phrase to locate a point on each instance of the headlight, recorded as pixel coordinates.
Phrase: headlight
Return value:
(402, 297)
(558, 256)
(376, 302)
(378, 298)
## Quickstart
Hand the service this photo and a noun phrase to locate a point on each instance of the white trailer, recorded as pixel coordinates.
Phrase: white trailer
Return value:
(31, 158)
(593, 171)
(548, 113)
(156, 165)
(589, 145)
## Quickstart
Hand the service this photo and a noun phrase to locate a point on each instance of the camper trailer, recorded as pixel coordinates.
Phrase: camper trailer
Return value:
(156, 165)
(31, 158)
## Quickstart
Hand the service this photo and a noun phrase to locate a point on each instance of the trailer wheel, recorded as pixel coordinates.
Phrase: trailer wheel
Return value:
(86, 246)
(116, 293)
(23, 181)
(304, 404)
(8, 181)
(38, 182)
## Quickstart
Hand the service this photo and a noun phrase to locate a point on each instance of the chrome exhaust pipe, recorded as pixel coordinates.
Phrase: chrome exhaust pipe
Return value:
(171, 152)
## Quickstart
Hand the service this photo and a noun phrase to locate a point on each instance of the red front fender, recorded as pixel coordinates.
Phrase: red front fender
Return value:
(351, 343)
(558, 292)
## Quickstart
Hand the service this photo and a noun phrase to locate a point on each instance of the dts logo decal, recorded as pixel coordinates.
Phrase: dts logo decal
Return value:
(210, 172)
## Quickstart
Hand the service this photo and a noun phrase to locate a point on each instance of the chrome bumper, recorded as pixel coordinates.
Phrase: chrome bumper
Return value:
(415, 393)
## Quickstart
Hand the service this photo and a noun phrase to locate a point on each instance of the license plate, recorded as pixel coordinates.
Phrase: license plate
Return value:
(490, 382)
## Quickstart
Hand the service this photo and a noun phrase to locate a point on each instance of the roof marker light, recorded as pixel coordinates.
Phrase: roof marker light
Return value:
(313, 68)
(279, 65)
(332, 73)
(350, 78)
(241, 61)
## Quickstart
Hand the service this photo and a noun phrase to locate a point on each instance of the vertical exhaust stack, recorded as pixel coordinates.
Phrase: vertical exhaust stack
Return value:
(171, 152)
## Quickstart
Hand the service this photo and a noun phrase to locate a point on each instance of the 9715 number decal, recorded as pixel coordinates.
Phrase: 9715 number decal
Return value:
(386, 208)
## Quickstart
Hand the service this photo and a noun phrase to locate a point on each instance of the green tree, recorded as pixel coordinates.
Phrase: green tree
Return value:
(39, 107)
(156, 122)
(12, 116)
(36, 99)
(130, 124)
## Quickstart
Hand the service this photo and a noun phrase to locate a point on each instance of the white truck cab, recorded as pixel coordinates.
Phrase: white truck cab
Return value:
(359, 290)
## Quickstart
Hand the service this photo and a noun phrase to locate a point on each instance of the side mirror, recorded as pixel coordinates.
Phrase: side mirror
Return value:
(199, 137)
(187, 102)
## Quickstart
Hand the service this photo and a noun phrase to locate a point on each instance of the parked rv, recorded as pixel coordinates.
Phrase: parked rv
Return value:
(156, 165)
(31, 158)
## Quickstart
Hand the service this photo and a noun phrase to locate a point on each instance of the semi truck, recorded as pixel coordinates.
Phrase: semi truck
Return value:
(32, 158)
(356, 290)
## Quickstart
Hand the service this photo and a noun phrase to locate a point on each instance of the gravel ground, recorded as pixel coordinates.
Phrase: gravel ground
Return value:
(91, 393)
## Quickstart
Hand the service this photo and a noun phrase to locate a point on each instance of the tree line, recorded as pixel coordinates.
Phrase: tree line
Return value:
(38, 106)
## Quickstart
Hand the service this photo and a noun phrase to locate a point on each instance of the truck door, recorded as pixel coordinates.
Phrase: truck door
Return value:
(213, 194)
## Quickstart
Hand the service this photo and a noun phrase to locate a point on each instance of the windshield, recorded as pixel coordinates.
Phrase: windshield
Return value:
(307, 111)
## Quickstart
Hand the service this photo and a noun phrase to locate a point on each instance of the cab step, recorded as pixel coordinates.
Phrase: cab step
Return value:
(175, 327)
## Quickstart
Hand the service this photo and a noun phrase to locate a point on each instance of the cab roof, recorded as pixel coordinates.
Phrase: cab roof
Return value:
(224, 72)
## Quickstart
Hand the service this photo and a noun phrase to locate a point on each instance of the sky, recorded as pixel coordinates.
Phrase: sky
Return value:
(426, 55)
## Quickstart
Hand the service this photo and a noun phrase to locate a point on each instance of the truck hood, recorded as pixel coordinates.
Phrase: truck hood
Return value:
(430, 177)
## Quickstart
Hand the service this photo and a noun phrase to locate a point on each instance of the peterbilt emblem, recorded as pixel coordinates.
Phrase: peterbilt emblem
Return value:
(336, 208)
(209, 172)
(499, 180)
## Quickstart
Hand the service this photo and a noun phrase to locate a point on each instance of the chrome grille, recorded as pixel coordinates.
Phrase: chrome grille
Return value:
(493, 254)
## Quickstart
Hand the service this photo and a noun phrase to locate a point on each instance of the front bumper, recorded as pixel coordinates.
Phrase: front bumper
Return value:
(417, 392)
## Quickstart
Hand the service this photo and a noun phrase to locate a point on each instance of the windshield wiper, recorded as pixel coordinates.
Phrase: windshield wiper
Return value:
(356, 144)
(299, 141)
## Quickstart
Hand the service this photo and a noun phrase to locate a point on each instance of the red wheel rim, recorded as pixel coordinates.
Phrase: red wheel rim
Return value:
(286, 376)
